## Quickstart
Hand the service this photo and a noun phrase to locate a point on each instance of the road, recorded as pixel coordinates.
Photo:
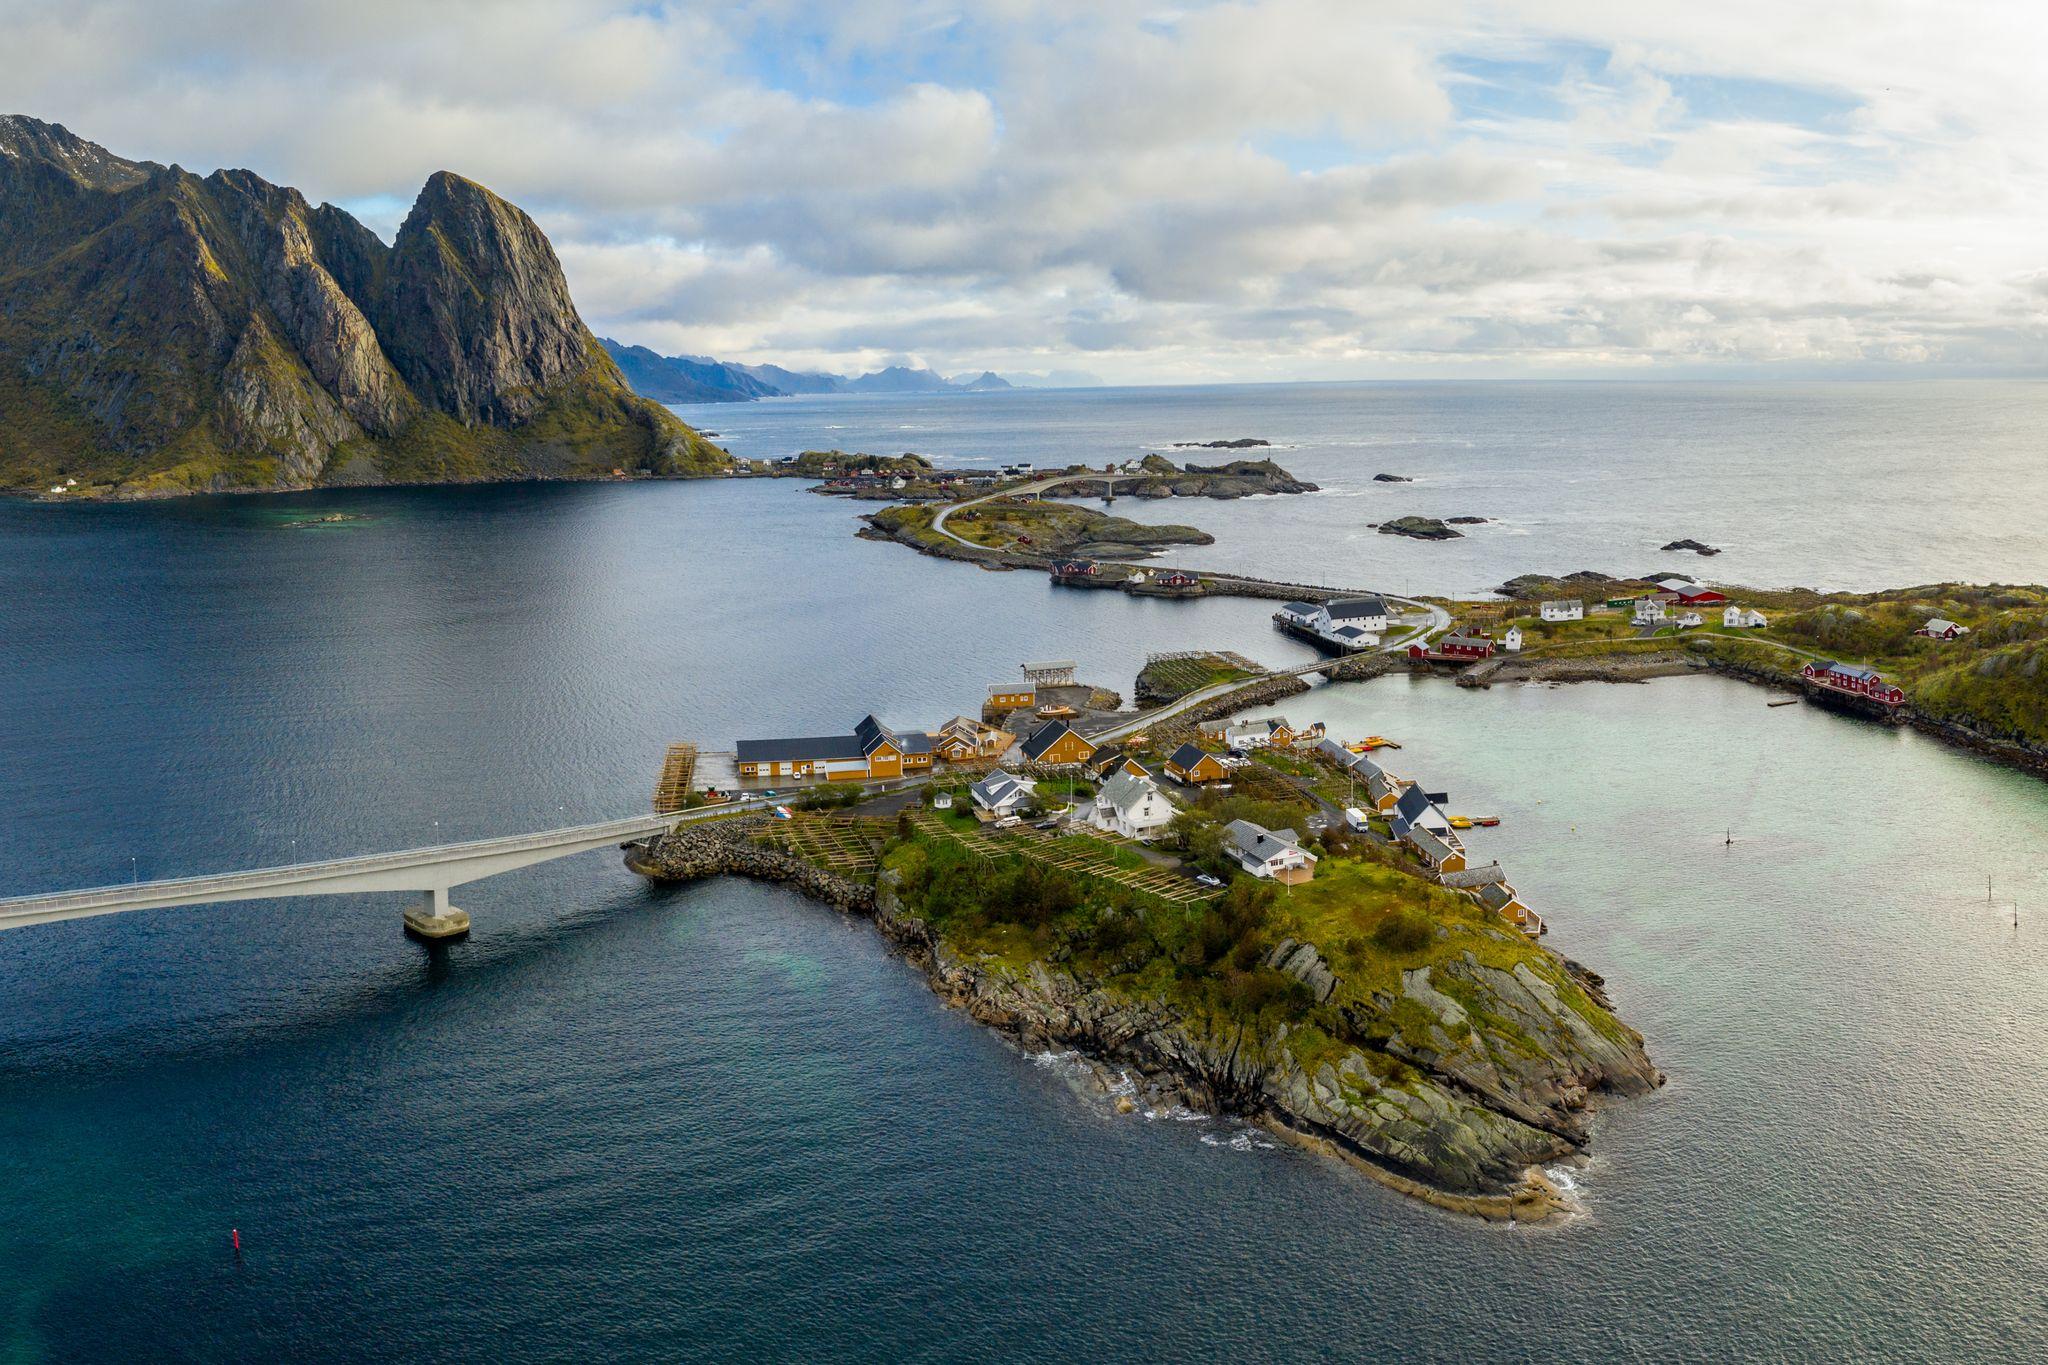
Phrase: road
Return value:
(435, 867)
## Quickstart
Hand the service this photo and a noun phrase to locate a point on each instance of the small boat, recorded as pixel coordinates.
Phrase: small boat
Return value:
(1461, 822)
(1486, 821)
(1057, 712)
(1788, 701)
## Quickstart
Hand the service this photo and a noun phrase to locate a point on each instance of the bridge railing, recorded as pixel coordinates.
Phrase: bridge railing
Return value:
(286, 874)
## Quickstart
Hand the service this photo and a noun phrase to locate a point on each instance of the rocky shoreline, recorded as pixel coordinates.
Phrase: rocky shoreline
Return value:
(1466, 1127)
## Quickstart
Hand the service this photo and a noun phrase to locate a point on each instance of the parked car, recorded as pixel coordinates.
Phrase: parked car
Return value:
(1206, 880)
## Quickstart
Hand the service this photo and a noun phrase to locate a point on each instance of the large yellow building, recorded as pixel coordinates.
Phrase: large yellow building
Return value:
(873, 752)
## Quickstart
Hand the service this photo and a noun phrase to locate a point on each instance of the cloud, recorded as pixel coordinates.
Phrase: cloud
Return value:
(1265, 188)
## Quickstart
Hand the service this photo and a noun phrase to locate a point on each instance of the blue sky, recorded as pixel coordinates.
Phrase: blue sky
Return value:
(1264, 189)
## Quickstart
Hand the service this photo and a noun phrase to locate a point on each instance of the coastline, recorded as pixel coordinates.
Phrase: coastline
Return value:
(1046, 1007)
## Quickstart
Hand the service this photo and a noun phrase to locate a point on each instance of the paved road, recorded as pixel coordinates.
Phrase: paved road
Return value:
(437, 866)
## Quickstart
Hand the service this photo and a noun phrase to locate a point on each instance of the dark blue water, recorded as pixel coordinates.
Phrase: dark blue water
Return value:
(721, 1121)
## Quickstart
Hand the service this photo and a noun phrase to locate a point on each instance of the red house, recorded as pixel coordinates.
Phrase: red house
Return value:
(1454, 648)
(1691, 594)
(1854, 680)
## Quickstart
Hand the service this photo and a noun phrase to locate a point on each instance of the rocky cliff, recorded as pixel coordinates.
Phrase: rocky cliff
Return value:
(1467, 1077)
(163, 332)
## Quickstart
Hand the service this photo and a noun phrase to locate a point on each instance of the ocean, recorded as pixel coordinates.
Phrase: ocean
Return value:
(719, 1121)
(1843, 487)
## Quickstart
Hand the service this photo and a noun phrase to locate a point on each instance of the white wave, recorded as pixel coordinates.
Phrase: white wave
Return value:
(1239, 1140)
(1178, 1113)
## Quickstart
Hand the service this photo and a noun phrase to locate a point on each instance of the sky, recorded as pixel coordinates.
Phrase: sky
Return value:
(1150, 193)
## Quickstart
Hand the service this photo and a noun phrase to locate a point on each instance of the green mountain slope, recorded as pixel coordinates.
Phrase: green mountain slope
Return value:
(162, 333)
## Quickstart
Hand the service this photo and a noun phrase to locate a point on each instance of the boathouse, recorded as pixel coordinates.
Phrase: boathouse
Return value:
(1009, 697)
(872, 752)
(1853, 680)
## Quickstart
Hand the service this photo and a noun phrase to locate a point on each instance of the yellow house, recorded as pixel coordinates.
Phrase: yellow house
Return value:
(1056, 744)
(1011, 697)
(964, 739)
(1194, 765)
(872, 752)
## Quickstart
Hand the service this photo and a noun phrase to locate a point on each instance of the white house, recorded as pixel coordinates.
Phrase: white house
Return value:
(1272, 853)
(1572, 610)
(1415, 808)
(1132, 806)
(1355, 622)
(1001, 794)
(1512, 641)
(1742, 618)
(1689, 620)
(1649, 611)
(1939, 629)
(1252, 734)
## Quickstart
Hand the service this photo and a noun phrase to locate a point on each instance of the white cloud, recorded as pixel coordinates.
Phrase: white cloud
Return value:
(1267, 188)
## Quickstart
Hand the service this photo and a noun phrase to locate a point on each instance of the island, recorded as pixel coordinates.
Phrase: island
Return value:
(1250, 958)
(1028, 532)
(1419, 528)
(1158, 477)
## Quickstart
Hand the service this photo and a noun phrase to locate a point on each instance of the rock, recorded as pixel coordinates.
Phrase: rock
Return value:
(1695, 546)
(1391, 478)
(1467, 521)
(1419, 528)
(1241, 443)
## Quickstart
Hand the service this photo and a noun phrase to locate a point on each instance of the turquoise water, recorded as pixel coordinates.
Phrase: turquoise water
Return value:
(720, 1121)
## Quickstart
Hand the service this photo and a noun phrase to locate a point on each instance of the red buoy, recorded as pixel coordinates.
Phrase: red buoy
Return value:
(236, 1233)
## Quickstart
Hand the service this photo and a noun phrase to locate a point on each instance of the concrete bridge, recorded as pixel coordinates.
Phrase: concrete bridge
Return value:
(433, 871)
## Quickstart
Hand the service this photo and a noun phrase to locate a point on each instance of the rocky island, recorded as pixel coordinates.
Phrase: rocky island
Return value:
(165, 333)
(1368, 1013)
(1420, 528)
(1159, 477)
(1029, 532)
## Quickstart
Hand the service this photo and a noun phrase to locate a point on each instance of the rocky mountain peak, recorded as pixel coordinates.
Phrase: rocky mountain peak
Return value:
(25, 139)
(476, 312)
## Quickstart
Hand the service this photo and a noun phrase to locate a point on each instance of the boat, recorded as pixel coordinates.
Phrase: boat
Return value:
(1371, 742)
(1788, 701)
(1461, 822)
(1486, 821)
(1057, 711)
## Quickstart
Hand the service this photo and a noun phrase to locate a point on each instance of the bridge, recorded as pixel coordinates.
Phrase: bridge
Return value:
(433, 871)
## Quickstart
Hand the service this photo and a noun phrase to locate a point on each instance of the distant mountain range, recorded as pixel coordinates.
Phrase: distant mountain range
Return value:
(700, 379)
(163, 332)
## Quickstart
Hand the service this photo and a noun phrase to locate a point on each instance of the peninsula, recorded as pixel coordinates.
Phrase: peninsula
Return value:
(1342, 976)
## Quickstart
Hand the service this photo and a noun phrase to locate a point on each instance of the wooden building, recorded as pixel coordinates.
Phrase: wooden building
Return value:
(1055, 744)
(1195, 765)
(872, 752)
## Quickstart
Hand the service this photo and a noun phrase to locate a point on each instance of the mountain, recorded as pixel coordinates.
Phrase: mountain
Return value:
(899, 379)
(986, 380)
(685, 379)
(163, 332)
(795, 381)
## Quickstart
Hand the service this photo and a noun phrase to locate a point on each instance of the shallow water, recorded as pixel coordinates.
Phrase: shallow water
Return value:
(719, 1120)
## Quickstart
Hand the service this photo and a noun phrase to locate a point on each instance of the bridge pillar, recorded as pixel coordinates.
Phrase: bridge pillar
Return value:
(434, 920)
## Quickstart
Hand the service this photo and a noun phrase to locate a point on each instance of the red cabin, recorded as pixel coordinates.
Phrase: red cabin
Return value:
(1854, 680)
